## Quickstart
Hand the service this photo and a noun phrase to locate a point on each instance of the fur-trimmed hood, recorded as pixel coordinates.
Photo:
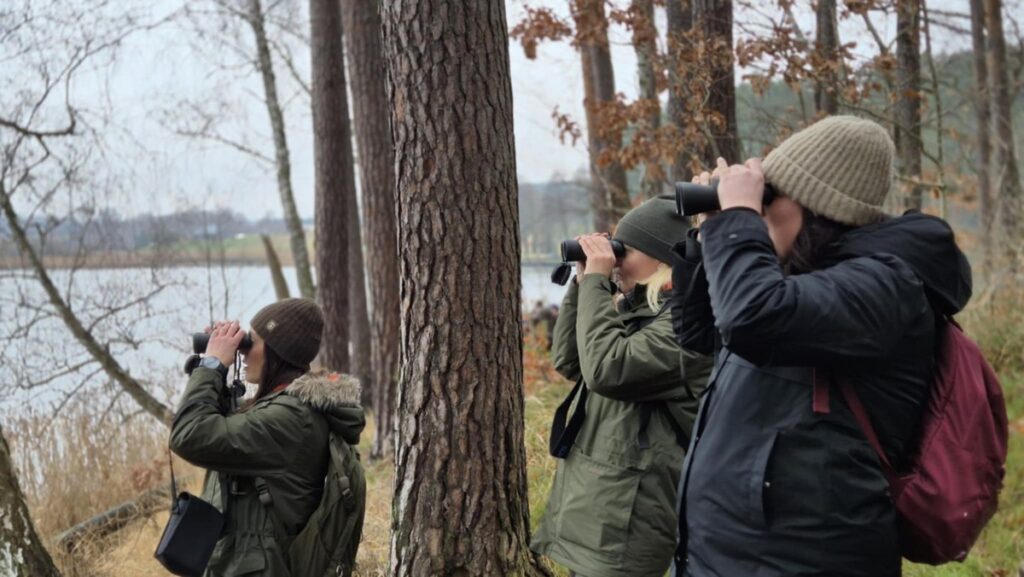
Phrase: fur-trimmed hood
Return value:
(334, 395)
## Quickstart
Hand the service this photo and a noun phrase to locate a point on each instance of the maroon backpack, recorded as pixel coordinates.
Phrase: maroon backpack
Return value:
(951, 489)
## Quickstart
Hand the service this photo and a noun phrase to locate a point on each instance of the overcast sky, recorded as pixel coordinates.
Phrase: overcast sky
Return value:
(157, 70)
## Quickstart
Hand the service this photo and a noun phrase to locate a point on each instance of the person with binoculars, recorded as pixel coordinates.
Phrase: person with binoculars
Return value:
(611, 508)
(816, 291)
(267, 461)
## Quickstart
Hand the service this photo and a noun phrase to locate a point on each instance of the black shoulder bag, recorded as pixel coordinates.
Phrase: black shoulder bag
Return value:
(193, 529)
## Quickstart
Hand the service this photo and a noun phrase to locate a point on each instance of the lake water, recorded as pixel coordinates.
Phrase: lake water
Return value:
(151, 340)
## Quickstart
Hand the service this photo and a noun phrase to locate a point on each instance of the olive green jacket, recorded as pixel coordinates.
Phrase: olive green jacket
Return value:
(281, 438)
(612, 509)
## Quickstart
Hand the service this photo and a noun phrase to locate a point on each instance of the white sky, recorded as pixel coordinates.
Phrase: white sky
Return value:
(158, 69)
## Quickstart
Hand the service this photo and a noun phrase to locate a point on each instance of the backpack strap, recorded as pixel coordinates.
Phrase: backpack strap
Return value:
(564, 432)
(267, 500)
(864, 420)
(344, 482)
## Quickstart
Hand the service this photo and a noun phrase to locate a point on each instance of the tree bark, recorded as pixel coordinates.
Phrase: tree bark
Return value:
(21, 550)
(335, 180)
(376, 169)
(826, 96)
(610, 192)
(98, 352)
(908, 97)
(358, 303)
(714, 19)
(680, 23)
(1007, 173)
(983, 111)
(276, 274)
(460, 501)
(296, 233)
(645, 44)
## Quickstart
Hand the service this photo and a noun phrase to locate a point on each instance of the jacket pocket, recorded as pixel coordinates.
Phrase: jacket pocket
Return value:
(597, 505)
(234, 556)
(760, 483)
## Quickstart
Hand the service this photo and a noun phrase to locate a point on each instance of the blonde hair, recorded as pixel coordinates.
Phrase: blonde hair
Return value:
(655, 283)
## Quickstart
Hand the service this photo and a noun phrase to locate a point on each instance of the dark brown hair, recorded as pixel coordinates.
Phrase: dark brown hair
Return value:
(276, 371)
(817, 238)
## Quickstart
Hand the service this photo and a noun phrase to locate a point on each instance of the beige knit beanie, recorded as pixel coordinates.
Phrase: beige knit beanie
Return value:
(840, 167)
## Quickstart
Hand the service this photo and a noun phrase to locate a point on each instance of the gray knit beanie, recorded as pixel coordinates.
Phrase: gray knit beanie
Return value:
(653, 227)
(293, 328)
(840, 167)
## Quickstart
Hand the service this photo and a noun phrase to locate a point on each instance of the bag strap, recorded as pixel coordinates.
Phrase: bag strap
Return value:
(861, 414)
(563, 432)
(347, 496)
(267, 500)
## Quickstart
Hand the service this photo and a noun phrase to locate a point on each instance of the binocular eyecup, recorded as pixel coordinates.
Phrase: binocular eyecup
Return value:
(573, 252)
(693, 199)
(201, 340)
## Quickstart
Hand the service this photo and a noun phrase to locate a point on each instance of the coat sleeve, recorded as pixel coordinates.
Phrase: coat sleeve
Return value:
(259, 441)
(692, 318)
(852, 311)
(642, 366)
(564, 353)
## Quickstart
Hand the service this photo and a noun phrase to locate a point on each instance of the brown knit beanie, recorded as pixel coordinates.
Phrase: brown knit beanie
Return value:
(840, 167)
(293, 328)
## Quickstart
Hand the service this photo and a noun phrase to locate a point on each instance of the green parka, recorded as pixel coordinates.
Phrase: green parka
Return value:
(612, 509)
(282, 438)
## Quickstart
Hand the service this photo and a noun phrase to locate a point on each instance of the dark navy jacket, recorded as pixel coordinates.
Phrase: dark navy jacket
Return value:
(769, 487)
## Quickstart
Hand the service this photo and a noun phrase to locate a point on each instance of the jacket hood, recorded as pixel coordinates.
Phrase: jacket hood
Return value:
(336, 397)
(928, 245)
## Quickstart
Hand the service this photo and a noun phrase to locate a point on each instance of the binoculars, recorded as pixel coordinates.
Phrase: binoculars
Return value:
(693, 199)
(201, 340)
(573, 252)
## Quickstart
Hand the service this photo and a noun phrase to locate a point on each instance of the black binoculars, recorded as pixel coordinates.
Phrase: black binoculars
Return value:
(201, 340)
(573, 252)
(693, 199)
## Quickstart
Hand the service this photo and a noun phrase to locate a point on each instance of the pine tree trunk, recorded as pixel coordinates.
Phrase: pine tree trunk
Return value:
(983, 111)
(645, 44)
(358, 301)
(1007, 173)
(680, 23)
(460, 503)
(21, 550)
(335, 180)
(908, 100)
(714, 19)
(297, 235)
(376, 169)
(826, 97)
(611, 191)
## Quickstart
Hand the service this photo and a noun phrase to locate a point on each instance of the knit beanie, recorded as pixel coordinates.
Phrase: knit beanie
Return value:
(840, 167)
(293, 328)
(653, 227)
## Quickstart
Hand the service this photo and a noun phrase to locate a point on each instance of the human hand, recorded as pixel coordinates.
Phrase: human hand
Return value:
(225, 338)
(600, 256)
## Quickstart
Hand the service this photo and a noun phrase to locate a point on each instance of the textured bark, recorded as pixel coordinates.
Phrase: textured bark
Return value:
(276, 274)
(297, 235)
(335, 179)
(100, 353)
(358, 303)
(714, 19)
(908, 97)
(645, 44)
(114, 519)
(366, 69)
(1007, 173)
(983, 112)
(460, 503)
(826, 96)
(21, 550)
(680, 22)
(610, 192)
